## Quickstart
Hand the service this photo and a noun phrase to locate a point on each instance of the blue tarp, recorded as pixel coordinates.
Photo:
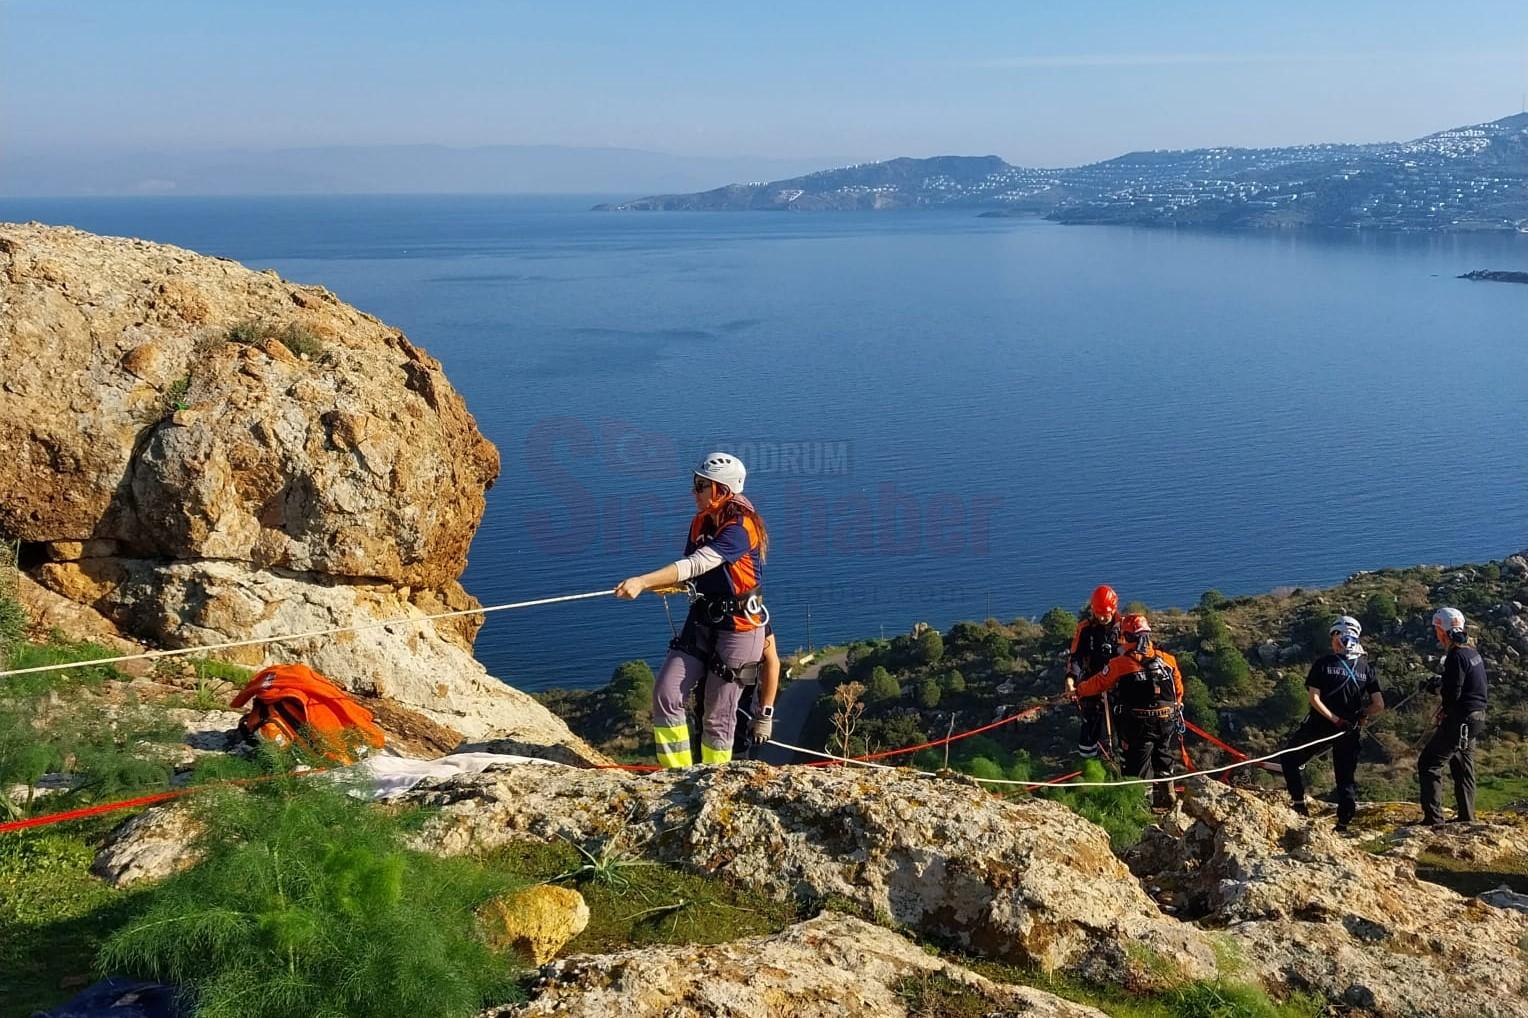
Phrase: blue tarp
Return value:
(122, 998)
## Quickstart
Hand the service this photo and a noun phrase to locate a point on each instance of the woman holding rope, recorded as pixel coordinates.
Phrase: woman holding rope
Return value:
(723, 635)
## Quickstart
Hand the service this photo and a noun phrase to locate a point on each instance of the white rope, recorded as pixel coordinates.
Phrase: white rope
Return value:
(334, 631)
(1077, 784)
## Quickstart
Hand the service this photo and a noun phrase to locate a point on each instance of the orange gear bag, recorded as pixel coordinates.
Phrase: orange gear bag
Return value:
(294, 705)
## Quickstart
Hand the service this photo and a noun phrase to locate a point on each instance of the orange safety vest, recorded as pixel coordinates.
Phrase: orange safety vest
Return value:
(732, 585)
(294, 705)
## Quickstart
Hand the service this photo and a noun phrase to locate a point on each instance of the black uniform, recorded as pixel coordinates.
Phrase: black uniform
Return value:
(1464, 713)
(1345, 686)
(1094, 645)
(1148, 693)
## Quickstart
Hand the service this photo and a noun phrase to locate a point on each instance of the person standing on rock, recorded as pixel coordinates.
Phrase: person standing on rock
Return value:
(723, 635)
(1344, 693)
(1460, 719)
(1094, 644)
(1149, 700)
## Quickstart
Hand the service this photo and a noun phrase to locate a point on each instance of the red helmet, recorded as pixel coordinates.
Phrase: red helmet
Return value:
(1104, 601)
(1133, 625)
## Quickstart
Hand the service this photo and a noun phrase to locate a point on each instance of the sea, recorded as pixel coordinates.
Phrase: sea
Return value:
(945, 417)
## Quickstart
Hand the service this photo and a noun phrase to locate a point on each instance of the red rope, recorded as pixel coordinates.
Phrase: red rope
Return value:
(90, 811)
(1207, 737)
(1027, 712)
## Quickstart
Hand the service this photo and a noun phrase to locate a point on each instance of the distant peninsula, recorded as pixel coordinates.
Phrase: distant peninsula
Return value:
(1496, 276)
(1472, 178)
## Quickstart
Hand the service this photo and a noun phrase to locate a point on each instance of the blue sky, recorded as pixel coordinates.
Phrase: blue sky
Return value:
(1037, 83)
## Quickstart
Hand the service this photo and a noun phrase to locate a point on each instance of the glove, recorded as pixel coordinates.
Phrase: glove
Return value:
(763, 726)
(1433, 684)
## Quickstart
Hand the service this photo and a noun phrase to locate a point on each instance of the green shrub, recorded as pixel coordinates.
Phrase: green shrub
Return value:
(1212, 630)
(1212, 600)
(1122, 812)
(1235, 1000)
(631, 686)
(1199, 706)
(1059, 625)
(298, 338)
(928, 694)
(1381, 609)
(929, 648)
(307, 904)
(1288, 702)
(1228, 671)
(883, 686)
(1136, 608)
(954, 682)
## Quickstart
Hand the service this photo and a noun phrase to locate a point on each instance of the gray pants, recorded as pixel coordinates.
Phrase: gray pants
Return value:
(676, 680)
(1454, 744)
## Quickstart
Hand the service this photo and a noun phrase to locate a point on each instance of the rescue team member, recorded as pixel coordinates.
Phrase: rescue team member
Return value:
(1460, 719)
(1094, 644)
(1344, 693)
(723, 635)
(1148, 700)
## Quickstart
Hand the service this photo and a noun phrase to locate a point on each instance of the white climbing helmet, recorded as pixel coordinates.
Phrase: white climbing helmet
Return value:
(1346, 625)
(725, 469)
(1449, 620)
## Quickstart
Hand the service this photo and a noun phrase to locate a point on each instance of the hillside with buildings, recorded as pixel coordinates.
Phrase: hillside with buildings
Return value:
(1466, 178)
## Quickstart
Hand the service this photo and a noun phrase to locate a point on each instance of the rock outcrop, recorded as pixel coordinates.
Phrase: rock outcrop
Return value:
(832, 966)
(1310, 910)
(1026, 881)
(536, 922)
(200, 452)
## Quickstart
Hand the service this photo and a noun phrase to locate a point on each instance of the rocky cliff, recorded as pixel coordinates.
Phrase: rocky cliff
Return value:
(200, 452)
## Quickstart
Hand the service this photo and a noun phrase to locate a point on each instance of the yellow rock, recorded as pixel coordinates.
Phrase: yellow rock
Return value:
(536, 922)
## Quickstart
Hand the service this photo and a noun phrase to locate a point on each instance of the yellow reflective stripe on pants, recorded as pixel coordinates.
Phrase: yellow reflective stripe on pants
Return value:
(673, 743)
(715, 756)
(674, 756)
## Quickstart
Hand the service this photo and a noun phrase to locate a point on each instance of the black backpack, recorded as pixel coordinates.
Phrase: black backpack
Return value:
(1150, 686)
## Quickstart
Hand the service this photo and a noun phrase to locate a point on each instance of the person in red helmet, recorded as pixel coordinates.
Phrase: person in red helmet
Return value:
(1094, 644)
(1148, 700)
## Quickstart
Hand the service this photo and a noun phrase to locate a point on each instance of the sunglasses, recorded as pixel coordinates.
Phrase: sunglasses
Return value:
(701, 484)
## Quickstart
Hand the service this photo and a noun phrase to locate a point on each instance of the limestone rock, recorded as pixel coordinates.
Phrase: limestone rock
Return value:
(1480, 844)
(193, 486)
(536, 922)
(1310, 910)
(153, 845)
(832, 966)
(1026, 881)
(366, 466)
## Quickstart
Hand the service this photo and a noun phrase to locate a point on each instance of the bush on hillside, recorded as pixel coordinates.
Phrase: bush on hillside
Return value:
(1059, 625)
(1288, 702)
(1199, 706)
(954, 682)
(1381, 610)
(308, 903)
(1228, 672)
(929, 648)
(883, 686)
(1122, 812)
(1212, 600)
(928, 694)
(631, 686)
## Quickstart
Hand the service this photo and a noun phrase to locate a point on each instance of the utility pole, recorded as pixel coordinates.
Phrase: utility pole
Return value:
(809, 627)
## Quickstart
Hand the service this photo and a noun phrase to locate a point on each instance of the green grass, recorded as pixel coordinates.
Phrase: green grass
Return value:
(1493, 792)
(648, 904)
(1203, 999)
(299, 339)
(57, 651)
(53, 913)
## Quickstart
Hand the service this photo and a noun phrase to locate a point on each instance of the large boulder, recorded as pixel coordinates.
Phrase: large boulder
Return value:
(1027, 881)
(204, 453)
(832, 966)
(1309, 910)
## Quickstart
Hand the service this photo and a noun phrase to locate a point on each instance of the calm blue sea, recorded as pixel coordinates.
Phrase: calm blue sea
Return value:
(949, 417)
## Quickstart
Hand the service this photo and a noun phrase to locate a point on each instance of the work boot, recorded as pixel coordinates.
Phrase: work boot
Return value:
(1302, 807)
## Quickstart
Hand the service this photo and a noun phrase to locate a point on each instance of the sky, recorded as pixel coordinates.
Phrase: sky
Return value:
(1040, 84)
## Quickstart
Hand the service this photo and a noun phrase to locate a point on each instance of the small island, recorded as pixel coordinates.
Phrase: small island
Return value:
(1496, 276)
